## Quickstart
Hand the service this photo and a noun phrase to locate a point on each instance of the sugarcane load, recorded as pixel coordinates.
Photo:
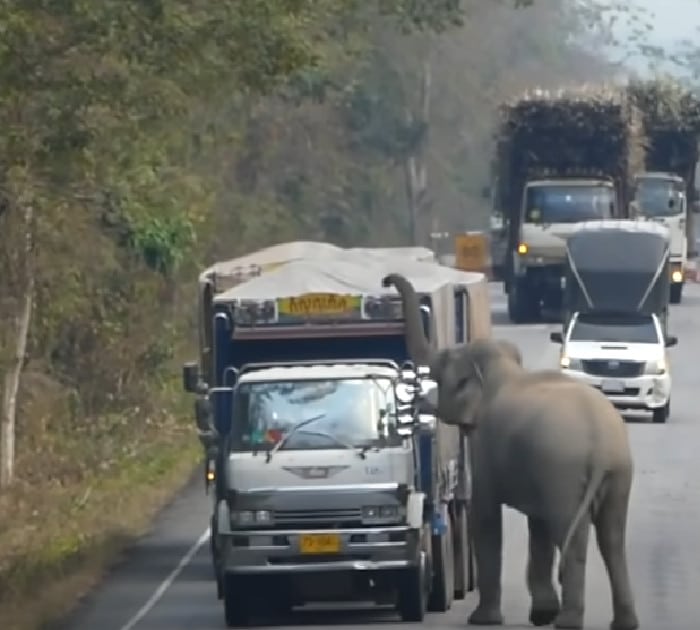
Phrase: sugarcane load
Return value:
(562, 157)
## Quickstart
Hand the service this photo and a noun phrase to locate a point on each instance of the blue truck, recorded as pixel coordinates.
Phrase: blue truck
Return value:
(370, 504)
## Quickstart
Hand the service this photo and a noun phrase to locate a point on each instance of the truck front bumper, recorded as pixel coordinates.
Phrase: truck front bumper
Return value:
(279, 552)
(641, 392)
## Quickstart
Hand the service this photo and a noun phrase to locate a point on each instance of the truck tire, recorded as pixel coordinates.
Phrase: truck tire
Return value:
(676, 293)
(443, 580)
(523, 304)
(463, 554)
(413, 592)
(236, 603)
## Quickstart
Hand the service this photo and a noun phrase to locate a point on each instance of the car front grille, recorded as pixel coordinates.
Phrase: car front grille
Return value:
(613, 369)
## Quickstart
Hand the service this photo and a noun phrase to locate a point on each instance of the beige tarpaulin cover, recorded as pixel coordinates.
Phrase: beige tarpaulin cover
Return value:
(229, 273)
(359, 272)
(347, 272)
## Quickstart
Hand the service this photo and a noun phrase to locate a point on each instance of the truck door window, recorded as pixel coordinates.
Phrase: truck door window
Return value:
(569, 203)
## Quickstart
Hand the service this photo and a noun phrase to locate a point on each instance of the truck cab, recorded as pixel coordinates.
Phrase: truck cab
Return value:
(550, 210)
(661, 197)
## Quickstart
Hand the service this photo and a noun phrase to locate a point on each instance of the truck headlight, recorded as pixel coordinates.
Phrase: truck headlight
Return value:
(655, 367)
(247, 518)
(380, 512)
(677, 276)
(567, 363)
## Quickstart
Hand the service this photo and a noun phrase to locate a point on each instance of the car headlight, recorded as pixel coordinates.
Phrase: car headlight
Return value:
(655, 367)
(380, 512)
(248, 518)
(567, 363)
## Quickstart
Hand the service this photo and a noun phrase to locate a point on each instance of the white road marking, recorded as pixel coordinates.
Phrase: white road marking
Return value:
(167, 582)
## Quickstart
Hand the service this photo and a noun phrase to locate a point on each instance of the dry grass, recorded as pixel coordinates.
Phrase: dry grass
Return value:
(85, 492)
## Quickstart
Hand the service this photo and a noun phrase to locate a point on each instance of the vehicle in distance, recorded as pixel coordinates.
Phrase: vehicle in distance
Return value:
(624, 356)
(615, 315)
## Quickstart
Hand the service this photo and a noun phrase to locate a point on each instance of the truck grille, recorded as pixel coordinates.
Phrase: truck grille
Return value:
(620, 369)
(299, 519)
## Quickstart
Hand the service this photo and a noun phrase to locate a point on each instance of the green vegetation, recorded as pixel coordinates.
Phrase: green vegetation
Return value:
(142, 139)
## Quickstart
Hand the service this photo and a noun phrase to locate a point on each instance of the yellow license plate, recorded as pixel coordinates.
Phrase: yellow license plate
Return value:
(319, 304)
(319, 543)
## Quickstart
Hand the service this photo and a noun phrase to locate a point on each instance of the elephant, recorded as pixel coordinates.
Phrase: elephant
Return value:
(546, 445)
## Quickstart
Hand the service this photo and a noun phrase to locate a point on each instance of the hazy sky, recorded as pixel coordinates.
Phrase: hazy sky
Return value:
(673, 22)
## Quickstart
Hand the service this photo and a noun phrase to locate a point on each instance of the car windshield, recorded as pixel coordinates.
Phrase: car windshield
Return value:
(614, 329)
(568, 203)
(659, 197)
(314, 414)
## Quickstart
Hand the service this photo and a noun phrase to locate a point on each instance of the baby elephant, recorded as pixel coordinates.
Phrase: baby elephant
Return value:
(546, 445)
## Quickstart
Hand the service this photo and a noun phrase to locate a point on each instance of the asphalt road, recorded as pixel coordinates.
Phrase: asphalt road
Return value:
(165, 583)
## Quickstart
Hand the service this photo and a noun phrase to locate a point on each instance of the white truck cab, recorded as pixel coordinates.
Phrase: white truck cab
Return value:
(624, 356)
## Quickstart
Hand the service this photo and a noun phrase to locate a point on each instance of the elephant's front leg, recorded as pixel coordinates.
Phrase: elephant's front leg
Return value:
(488, 542)
(573, 579)
(545, 602)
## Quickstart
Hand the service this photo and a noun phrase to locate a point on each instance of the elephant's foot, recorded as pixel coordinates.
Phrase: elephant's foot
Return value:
(570, 619)
(486, 616)
(544, 613)
(625, 621)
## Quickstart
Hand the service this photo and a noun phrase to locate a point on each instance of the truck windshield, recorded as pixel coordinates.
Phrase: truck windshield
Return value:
(325, 414)
(615, 329)
(659, 197)
(568, 203)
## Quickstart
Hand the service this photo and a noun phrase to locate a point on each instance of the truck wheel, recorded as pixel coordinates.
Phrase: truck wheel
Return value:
(443, 582)
(676, 292)
(463, 554)
(236, 604)
(523, 304)
(413, 595)
(661, 414)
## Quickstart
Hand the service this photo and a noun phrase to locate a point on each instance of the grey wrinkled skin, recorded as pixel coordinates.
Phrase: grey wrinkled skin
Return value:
(550, 447)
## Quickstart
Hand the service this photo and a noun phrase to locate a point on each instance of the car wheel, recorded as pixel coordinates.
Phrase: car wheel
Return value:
(661, 414)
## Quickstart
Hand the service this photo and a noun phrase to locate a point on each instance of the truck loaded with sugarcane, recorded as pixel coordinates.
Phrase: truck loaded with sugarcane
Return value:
(328, 480)
(562, 158)
(568, 156)
(666, 192)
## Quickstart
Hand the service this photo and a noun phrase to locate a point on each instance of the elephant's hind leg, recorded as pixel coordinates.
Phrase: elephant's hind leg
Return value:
(610, 525)
(545, 602)
(573, 579)
(488, 542)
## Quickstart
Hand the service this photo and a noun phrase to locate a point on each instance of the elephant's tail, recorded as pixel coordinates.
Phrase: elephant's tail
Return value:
(595, 480)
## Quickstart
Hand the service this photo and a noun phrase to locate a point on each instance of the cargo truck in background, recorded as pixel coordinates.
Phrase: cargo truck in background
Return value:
(562, 158)
(329, 482)
(616, 313)
(662, 197)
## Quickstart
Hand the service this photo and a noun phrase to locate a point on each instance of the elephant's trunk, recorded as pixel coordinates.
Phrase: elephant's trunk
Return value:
(419, 348)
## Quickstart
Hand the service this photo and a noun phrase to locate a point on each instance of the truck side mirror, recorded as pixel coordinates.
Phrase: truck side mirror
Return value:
(671, 341)
(190, 377)
(556, 337)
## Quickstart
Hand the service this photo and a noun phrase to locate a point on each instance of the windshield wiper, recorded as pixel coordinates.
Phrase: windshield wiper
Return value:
(361, 452)
(291, 432)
